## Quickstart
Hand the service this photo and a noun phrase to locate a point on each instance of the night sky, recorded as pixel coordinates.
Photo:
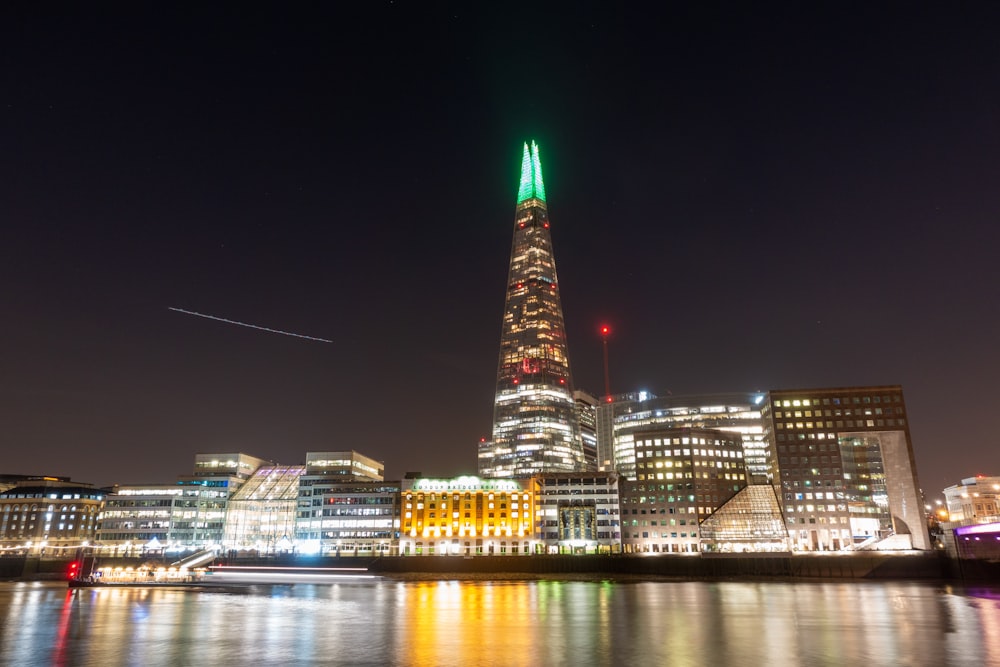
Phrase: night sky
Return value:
(753, 198)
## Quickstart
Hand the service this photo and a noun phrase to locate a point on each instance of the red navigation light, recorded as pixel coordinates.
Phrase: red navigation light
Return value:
(546, 225)
(482, 440)
(605, 330)
(608, 399)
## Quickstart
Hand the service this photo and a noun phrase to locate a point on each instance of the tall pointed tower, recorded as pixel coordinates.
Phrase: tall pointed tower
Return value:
(535, 428)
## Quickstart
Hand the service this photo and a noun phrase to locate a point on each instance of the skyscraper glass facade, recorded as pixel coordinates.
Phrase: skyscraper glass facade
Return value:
(535, 427)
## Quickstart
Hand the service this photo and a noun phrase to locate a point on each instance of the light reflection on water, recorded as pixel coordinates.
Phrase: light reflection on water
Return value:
(504, 623)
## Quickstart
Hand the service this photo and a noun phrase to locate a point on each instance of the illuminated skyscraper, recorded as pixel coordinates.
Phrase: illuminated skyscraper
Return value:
(535, 428)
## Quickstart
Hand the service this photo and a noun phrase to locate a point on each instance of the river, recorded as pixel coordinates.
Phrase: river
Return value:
(436, 623)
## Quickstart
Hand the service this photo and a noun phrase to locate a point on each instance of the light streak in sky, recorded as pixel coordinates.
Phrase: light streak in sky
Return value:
(244, 324)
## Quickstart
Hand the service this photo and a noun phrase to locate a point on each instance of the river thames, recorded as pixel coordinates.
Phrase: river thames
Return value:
(431, 623)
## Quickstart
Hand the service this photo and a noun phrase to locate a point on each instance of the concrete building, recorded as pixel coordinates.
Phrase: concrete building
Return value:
(578, 512)
(349, 519)
(682, 477)
(47, 515)
(847, 475)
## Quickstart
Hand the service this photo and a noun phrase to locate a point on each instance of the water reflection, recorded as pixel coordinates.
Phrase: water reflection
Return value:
(504, 623)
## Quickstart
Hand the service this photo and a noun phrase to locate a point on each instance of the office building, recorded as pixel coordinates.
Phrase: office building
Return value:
(185, 516)
(683, 475)
(586, 417)
(751, 521)
(261, 514)
(619, 420)
(847, 475)
(535, 427)
(47, 515)
(577, 513)
(345, 508)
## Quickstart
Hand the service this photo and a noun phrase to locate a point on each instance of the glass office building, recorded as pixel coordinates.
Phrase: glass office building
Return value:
(535, 427)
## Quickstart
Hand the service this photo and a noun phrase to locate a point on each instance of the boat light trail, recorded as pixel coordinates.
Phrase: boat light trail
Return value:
(249, 326)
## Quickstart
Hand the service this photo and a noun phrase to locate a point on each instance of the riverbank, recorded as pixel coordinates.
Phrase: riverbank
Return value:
(812, 566)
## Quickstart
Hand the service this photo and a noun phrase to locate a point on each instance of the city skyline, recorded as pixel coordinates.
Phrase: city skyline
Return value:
(748, 199)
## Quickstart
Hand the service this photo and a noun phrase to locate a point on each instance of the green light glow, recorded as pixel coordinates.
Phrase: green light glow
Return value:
(531, 175)
(537, 169)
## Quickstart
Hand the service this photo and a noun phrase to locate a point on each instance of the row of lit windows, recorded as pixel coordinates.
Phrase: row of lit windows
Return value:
(849, 423)
(704, 475)
(847, 412)
(717, 453)
(856, 400)
(14, 493)
(685, 440)
(51, 508)
(669, 463)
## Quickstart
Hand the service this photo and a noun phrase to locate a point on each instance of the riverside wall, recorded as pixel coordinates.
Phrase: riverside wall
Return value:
(857, 566)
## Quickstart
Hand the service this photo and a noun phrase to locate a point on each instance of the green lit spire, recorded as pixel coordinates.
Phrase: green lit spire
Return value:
(531, 175)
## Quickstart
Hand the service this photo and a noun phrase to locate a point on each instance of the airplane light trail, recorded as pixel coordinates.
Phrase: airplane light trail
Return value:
(244, 324)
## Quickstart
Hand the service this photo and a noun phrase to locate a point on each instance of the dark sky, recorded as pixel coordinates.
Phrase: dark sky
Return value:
(754, 198)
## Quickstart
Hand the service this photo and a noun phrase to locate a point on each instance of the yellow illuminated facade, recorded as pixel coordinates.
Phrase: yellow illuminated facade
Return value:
(467, 516)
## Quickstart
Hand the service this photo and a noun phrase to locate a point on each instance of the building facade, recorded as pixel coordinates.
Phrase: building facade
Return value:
(261, 515)
(535, 428)
(578, 513)
(847, 475)
(683, 476)
(48, 515)
(973, 500)
(619, 420)
(586, 417)
(185, 516)
(345, 508)
(467, 516)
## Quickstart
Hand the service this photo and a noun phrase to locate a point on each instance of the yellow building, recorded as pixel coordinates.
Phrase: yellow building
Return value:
(467, 516)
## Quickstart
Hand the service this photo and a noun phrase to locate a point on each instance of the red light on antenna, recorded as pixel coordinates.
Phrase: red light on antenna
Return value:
(608, 399)
(605, 330)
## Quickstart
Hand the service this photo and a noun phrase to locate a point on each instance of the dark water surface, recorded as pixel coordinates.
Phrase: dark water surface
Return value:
(431, 623)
